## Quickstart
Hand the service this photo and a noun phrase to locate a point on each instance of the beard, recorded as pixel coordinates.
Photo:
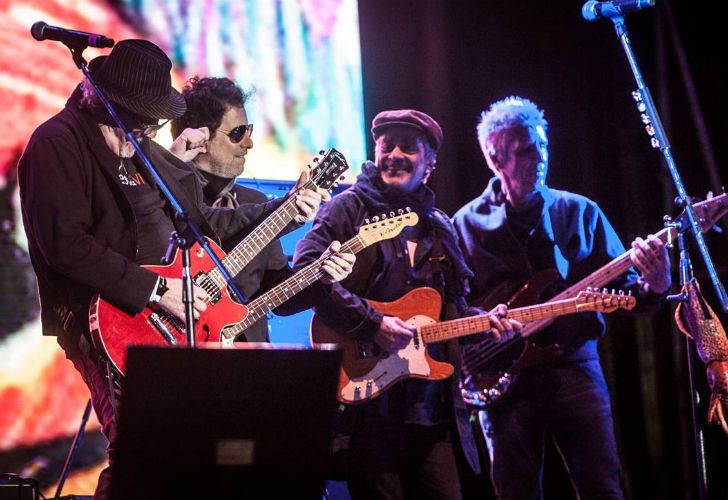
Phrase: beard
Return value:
(126, 150)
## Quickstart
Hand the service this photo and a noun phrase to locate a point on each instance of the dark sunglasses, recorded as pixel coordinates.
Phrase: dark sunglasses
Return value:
(236, 135)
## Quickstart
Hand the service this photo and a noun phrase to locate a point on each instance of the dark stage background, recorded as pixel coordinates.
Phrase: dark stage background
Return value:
(452, 58)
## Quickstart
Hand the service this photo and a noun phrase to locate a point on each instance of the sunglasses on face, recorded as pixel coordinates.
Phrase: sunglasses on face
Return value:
(147, 130)
(236, 135)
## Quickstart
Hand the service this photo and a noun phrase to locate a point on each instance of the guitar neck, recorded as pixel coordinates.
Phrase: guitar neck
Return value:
(240, 256)
(607, 273)
(597, 279)
(446, 330)
(287, 289)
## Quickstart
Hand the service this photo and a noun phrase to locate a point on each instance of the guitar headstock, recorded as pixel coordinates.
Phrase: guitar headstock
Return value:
(386, 226)
(330, 165)
(603, 301)
(708, 212)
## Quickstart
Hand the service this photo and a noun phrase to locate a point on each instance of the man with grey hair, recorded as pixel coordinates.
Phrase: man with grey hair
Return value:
(516, 228)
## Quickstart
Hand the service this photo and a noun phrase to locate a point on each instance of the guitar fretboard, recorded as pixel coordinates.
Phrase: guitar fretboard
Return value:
(258, 239)
(287, 289)
(597, 279)
(446, 330)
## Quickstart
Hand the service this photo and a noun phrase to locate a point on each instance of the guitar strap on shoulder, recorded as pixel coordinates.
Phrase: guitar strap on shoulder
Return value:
(442, 272)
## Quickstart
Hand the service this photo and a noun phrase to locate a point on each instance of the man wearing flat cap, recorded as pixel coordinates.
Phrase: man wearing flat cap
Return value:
(402, 443)
(93, 214)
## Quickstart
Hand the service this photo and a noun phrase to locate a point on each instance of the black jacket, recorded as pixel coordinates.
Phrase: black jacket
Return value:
(80, 225)
(383, 273)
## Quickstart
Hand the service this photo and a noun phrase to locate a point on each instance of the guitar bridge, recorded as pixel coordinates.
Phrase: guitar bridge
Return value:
(162, 328)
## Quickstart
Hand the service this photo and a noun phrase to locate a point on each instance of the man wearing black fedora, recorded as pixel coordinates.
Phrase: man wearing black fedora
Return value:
(93, 214)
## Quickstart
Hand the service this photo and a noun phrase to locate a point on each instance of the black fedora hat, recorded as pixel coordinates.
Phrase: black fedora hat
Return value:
(136, 75)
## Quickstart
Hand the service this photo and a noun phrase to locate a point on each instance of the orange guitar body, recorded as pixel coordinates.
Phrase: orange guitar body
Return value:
(113, 331)
(366, 369)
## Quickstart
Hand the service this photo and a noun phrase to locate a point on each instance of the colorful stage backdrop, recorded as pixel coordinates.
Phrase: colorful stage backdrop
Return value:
(300, 59)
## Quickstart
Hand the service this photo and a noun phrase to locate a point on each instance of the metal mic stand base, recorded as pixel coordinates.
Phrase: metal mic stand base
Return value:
(686, 274)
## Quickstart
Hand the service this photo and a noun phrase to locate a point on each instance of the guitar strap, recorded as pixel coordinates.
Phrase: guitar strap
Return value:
(442, 272)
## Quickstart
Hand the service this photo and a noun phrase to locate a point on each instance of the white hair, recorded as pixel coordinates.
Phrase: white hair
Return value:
(508, 113)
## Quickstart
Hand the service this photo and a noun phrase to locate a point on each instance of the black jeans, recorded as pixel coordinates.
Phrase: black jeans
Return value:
(394, 461)
(570, 403)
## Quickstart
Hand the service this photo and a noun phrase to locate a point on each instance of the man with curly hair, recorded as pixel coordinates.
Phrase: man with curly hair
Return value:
(516, 228)
(214, 136)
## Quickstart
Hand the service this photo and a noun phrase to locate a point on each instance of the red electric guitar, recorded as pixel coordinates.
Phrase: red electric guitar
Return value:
(113, 342)
(112, 330)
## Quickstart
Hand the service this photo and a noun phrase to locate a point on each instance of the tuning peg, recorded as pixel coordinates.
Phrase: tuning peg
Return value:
(589, 289)
(375, 219)
(322, 152)
(392, 214)
(309, 166)
(342, 177)
(637, 96)
(621, 293)
(400, 212)
(366, 221)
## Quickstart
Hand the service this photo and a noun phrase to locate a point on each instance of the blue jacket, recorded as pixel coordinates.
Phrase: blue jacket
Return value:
(571, 235)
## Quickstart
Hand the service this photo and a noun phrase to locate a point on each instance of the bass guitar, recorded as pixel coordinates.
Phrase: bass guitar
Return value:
(367, 370)
(112, 329)
(114, 348)
(491, 369)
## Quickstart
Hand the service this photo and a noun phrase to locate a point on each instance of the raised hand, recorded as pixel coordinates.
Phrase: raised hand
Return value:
(190, 143)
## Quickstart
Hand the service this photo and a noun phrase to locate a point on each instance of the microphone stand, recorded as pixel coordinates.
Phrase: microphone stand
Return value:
(193, 234)
(686, 275)
(658, 140)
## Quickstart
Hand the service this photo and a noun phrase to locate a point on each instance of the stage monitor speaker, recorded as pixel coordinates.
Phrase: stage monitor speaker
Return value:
(236, 423)
(14, 487)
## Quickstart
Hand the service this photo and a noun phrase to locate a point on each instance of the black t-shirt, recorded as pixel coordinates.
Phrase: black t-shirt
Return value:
(153, 221)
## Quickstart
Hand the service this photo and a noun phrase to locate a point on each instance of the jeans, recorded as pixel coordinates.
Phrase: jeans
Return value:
(568, 402)
(394, 461)
(103, 403)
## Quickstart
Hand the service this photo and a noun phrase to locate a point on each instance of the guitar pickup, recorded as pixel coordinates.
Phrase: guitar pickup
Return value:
(162, 328)
(209, 286)
(368, 350)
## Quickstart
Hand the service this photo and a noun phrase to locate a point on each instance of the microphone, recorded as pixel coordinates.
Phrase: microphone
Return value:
(75, 39)
(593, 10)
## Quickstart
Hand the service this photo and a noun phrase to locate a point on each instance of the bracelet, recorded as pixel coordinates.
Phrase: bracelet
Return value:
(160, 290)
